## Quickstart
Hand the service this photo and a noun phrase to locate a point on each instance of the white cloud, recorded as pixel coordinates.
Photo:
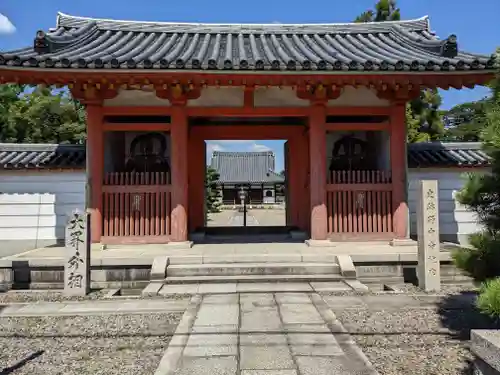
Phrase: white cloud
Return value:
(6, 27)
(256, 147)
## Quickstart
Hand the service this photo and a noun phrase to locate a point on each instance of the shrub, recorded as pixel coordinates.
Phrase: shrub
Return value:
(482, 261)
(489, 298)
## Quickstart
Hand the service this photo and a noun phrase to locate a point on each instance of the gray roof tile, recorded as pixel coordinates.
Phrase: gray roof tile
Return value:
(41, 156)
(245, 167)
(239, 166)
(79, 42)
(443, 154)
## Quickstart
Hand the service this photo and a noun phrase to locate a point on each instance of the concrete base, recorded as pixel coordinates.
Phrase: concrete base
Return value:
(347, 269)
(485, 345)
(298, 235)
(197, 237)
(319, 243)
(97, 246)
(159, 268)
(403, 242)
(180, 245)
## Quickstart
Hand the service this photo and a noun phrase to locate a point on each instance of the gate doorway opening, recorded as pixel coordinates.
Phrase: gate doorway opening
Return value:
(245, 187)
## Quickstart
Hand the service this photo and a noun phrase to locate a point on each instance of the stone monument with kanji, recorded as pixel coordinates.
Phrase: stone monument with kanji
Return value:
(77, 262)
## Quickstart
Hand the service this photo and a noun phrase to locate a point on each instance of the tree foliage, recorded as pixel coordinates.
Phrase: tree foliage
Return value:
(481, 193)
(212, 200)
(40, 115)
(422, 115)
(385, 10)
(465, 122)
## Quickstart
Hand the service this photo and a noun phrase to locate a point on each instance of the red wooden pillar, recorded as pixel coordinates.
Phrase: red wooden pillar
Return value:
(317, 171)
(196, 182)
(95, 168)
(398, 166)
(179, 135)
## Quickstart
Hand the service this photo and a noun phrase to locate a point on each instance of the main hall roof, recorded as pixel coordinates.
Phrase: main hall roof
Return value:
(78, 42)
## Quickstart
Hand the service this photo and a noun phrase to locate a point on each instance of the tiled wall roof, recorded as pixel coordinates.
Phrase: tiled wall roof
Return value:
(79, 42)
(41, 156)
(453, 154)
(239, 166)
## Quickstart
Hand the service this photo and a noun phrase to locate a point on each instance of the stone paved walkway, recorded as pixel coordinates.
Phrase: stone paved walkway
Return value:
(266, 334)
(125, 306)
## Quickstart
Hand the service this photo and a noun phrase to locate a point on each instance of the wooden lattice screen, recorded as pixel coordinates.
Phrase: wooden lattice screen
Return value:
(359, 202)
(137, 206)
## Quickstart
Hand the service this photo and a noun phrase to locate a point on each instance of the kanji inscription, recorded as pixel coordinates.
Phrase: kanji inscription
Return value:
(428, 236)
(77, 265)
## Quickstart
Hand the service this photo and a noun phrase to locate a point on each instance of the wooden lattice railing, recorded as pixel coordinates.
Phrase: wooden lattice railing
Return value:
(137, 205)
(359, 202)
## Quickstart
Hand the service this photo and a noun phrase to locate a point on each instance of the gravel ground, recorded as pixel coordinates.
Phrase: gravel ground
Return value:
(130, 344)
(428, 340)
(13, 296)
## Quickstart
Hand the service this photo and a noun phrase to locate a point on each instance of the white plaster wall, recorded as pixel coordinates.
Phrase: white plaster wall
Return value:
(219, 97)
(34, 205)
(277, 97)
(136, 98)
(358, 97)
(455, 221)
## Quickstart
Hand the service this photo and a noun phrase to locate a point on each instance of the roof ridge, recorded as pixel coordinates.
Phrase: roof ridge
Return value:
(61, 16)
(37, 146)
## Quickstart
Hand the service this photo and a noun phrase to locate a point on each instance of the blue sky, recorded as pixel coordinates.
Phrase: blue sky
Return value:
(475, 23)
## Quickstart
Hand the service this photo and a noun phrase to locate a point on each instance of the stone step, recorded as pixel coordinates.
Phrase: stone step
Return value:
(250, 278)
(239, 269)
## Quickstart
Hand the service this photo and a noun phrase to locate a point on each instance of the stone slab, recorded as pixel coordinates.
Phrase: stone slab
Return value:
(486, 345)
(249, 301)
(260, 319)
(172, 356)
(266, 352)
(294, 298)
(169, 289)
(207, 366)
(151, 290)
(319, 243)
(329, 286)
(342, 302)
(179, 245)
(273, 287)
(357, 286)
(347, 269)
(402, 242)
(313, 343)
(268, 372)
(159, 268)
(300, 314)
(221, 299)
(212, 341)
(326, 366)
(211, 288)
(217, 315)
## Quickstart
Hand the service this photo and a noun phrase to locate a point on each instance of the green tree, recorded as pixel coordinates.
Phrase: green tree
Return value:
(465, 122)
(41, 115)
(385, 10)
(213, 194)
(481, 194)
(423, 117)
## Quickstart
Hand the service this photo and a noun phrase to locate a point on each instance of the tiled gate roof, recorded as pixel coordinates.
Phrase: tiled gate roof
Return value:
(80, 42)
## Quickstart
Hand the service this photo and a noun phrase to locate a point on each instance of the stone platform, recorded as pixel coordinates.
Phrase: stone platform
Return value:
(266, 333)
(130, 266)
